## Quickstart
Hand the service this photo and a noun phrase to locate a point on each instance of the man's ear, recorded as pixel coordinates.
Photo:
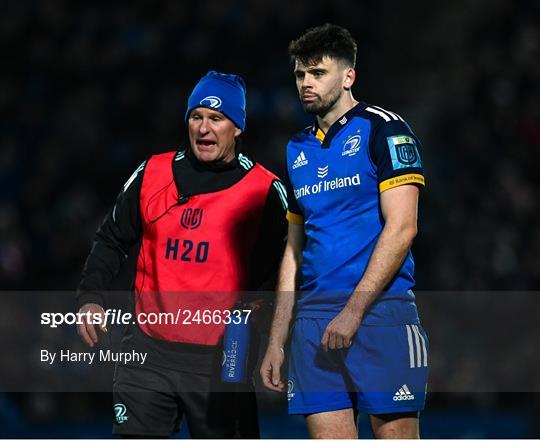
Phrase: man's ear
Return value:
(350, 76)
(237, 132)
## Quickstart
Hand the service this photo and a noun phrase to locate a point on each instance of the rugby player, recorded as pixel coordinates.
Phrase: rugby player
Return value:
(207, 223)
(354, 181)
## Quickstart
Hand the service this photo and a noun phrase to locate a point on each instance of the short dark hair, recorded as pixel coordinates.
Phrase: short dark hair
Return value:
(327, 40)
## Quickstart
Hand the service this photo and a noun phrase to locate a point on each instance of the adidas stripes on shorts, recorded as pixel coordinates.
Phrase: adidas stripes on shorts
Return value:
(384, 371)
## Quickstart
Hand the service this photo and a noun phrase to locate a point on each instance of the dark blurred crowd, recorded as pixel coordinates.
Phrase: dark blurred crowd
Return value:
(90, 89)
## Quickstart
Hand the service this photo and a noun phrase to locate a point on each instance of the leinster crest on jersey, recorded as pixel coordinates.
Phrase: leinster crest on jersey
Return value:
(351, 146)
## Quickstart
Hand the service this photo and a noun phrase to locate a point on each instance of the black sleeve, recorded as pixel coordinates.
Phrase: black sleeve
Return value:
(271, 240)
(291, 199)
(397, 155)
(120, 230)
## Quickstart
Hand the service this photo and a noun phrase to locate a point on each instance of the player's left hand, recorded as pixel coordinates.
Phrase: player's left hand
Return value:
(340, 332)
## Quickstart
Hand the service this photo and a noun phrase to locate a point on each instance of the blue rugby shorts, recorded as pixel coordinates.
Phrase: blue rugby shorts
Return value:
(384, 371)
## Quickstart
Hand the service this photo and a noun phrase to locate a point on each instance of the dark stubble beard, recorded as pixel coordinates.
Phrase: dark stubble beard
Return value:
(321, 107)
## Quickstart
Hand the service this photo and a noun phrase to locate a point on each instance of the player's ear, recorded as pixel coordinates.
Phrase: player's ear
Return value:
(350, 76)
(237, 132)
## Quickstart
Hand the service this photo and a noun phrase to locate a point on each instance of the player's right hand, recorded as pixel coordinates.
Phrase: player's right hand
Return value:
(271, 369)
(86, 329)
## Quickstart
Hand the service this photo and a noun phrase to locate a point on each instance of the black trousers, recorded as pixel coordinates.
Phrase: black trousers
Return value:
(152, 401)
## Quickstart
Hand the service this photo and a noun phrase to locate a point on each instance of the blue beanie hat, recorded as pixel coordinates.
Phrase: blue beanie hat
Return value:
(223, 92)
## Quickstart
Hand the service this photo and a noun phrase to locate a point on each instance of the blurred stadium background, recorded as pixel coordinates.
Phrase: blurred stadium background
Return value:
(90, 89)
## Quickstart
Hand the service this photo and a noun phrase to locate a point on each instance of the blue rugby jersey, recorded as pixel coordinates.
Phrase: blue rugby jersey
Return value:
(334, 186)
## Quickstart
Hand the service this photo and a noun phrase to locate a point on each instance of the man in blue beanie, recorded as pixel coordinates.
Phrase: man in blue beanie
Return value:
(207, 224)
(222, 99)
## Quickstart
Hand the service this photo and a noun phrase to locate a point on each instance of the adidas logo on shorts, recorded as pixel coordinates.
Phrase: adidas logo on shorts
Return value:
(403, 394)
(300, 161)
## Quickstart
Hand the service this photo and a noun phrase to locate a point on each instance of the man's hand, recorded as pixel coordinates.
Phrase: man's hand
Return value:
(86, 330)
(271, 369)
(340, 331)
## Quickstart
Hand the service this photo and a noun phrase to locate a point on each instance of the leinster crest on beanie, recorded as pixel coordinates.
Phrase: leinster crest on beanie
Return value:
(225, 93)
